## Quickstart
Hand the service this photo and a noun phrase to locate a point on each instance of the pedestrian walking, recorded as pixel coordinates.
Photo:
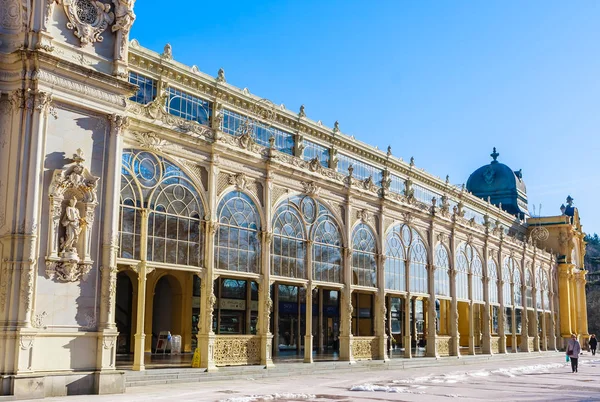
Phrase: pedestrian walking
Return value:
(593, 344)
(573, 351)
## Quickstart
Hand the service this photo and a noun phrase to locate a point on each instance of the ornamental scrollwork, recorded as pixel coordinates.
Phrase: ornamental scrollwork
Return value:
(239, 180)
(73, 200)
(310, 188)
(88, 19)
(540, 233)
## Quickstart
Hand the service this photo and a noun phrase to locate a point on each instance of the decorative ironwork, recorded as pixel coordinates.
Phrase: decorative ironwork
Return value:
(235, 350)
(364, 347)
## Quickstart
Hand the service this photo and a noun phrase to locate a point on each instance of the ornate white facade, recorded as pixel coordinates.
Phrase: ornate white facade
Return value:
(120, 162)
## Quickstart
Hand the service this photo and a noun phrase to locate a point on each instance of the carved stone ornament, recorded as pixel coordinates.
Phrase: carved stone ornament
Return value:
(363, 215)
(540, 233)
(88, 18)
(73, 200)
(238, 180)
(310, 188)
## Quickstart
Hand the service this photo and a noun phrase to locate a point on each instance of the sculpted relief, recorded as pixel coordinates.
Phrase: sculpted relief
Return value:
(73, 200)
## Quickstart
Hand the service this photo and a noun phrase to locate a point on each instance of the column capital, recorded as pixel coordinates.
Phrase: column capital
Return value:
(118, 124)
(142, 268)
(266, 236)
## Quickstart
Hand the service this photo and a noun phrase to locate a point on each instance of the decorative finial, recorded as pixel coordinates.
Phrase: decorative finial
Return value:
(78, 156)
(563, 209)
(221, 75)
(389, 151)
(167, 52)
(301, 113)
(494, 155)
(570, 201)
(447, 179)
(336, 127)
(412, 161)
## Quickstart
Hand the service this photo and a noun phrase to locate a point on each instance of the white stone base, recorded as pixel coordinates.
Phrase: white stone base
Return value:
(41, 385)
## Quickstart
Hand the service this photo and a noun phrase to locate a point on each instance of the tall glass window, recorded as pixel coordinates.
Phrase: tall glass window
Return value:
(188, 107)
(395, 262)
(146, 92)
(493, 281)
(403, 242)
(507, 277)
(396, 184)
(288, 250)
(327, 256)
(237, 246)
(424, 194)
(546, 291)
(477, 279)
(295, 220)
(466, 260)
(233, 123)
(364, 251)
(442, 266)
(313, 150)
(528, 287)
(517, 287)
(418, 267)
(538, 288)
(175, 233)
(361, 170)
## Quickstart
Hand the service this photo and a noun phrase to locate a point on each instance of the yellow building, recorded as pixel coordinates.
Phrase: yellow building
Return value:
(140, 197)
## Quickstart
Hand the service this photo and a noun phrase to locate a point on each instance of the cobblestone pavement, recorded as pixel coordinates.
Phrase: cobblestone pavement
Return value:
(547, 378)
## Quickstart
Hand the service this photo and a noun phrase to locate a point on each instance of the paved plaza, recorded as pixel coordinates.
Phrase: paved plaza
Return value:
(544, 378)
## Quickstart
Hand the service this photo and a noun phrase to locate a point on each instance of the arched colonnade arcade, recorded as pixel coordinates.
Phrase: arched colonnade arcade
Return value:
(245, 273)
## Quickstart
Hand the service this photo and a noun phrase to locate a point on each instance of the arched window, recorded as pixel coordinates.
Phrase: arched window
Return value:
(327, 256)
(297, 219)
(507, 276)
(403, 242)
(237, 246)
(546, 290)
(175, 233)
(517, 287)
(467, 260)
(493, 281)
(442, 265)
(538, 288)
(364, 251)
(477, 279)
(395, 262)
(288, 248)
(528, 287)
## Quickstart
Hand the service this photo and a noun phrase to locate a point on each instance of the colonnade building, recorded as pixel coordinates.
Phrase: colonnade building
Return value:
(139, 195)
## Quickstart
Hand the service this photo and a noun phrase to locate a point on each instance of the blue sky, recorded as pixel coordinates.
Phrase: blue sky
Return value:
(443, 81)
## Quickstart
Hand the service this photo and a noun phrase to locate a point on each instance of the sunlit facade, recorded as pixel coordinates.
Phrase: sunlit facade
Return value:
(140, 196)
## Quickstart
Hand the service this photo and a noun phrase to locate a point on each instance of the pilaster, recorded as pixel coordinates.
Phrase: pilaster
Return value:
(564, 295)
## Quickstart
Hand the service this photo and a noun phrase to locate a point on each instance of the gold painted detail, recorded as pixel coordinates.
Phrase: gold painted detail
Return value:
(233, 350)
(364, 347)
(443, 345)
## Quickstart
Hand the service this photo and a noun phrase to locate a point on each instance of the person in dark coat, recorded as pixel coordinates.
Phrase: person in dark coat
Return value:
(593, 344)
(573, 351)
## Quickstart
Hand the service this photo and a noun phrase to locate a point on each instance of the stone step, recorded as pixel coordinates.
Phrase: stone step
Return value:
(190, 375)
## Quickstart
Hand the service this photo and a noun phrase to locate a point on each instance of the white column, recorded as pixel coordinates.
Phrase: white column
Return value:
(486, 321)
(454, 333)
(431, 350)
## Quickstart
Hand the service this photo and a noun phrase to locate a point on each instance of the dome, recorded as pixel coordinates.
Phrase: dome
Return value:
(503, 186)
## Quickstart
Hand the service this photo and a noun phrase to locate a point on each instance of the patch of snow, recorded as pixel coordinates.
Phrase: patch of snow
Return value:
(384, 388)
(255, 398)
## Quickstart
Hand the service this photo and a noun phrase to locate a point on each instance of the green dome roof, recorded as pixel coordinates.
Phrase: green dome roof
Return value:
(503, 186)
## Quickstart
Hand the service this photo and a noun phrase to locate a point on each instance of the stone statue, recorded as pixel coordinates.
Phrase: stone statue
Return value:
(221, 75)
(168, 52)
(124, 15)
(302, 113)
(72, 222)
